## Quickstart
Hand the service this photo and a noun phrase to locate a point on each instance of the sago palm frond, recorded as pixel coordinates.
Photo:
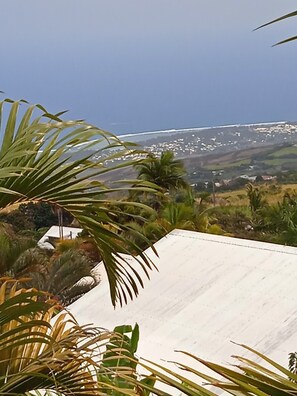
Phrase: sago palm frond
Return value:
(42, 353)
(36, 354)
(44, 159)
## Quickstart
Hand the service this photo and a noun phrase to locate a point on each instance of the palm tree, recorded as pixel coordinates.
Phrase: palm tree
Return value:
(11, 248)
(67, 276)
(45, 159)
(178, 215)
(164, 171)
(255, 196)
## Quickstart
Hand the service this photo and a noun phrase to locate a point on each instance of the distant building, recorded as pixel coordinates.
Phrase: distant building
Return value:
(54, 234)
(249, 178)
(268, 177)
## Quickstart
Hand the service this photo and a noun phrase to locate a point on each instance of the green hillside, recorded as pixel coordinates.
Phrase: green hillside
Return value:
(255, 161)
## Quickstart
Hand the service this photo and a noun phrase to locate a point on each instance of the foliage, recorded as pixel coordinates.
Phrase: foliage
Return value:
(255, 196)
(46, 352)
(153, 230)
(281, 219)
(286, 16)
(119, 365)
(248, 377)
(11, 248)
(45, 159)
(33, 216)
(67, 275)
(293, 362)
(181, 211)
(165, 171)
(204, 197)
(42, 214)
(18, 220)
(39, 354)
(233, 219)
(178, 215)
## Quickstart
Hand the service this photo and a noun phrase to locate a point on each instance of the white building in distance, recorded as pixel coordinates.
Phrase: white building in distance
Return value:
(54, 234)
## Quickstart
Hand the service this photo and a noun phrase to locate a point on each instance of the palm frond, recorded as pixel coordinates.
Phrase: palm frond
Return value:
(42, 353)
(36, 355)
(286, 16)
(247, 378)
(44, 159)
(290, 15)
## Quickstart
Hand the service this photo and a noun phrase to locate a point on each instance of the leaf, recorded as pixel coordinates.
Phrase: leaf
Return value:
(286, 41)
(135, 338)
(37, 165)
(286, 16)
(290, 15)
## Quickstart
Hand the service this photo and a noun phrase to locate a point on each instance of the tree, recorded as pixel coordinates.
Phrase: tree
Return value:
(11, 248)
(281, 219)
(165, 171)
(45, 159)
(67, 276)
(255, 196)
(42, 215)
(178, 215)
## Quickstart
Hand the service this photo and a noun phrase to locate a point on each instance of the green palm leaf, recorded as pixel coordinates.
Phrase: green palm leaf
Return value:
(46, 159)
(248, 378)
(290, 15)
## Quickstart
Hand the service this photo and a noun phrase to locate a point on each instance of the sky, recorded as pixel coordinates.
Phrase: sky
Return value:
(142, 65)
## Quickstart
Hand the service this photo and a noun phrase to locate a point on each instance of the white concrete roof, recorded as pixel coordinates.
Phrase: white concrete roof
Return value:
(209, 290)
(54, 232)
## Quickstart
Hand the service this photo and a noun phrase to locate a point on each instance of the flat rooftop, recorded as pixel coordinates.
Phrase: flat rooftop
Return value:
(210, 290)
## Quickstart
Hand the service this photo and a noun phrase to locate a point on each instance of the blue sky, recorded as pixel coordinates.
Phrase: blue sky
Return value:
(139, 65)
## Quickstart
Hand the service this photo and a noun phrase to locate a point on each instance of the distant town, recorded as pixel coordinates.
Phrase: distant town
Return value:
(198, 141)
(225, 152)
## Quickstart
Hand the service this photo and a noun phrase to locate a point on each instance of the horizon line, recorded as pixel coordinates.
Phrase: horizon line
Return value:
(200, 128)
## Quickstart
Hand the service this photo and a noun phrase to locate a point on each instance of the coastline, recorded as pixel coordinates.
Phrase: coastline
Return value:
(196, 129)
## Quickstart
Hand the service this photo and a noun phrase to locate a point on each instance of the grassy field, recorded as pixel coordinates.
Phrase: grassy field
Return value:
(273, 194)
(280, 161)
(281, 157)
(227, 165)
(285, 151)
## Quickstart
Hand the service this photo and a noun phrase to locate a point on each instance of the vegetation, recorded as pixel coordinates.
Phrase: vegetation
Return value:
(248, 378)
(37, 354)
(47, 171)
(41, 353)
(120, 369)
(164, 171)
(67, 276)
(255, 196)
(37, 165)
(44, 170)
(276, 160)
